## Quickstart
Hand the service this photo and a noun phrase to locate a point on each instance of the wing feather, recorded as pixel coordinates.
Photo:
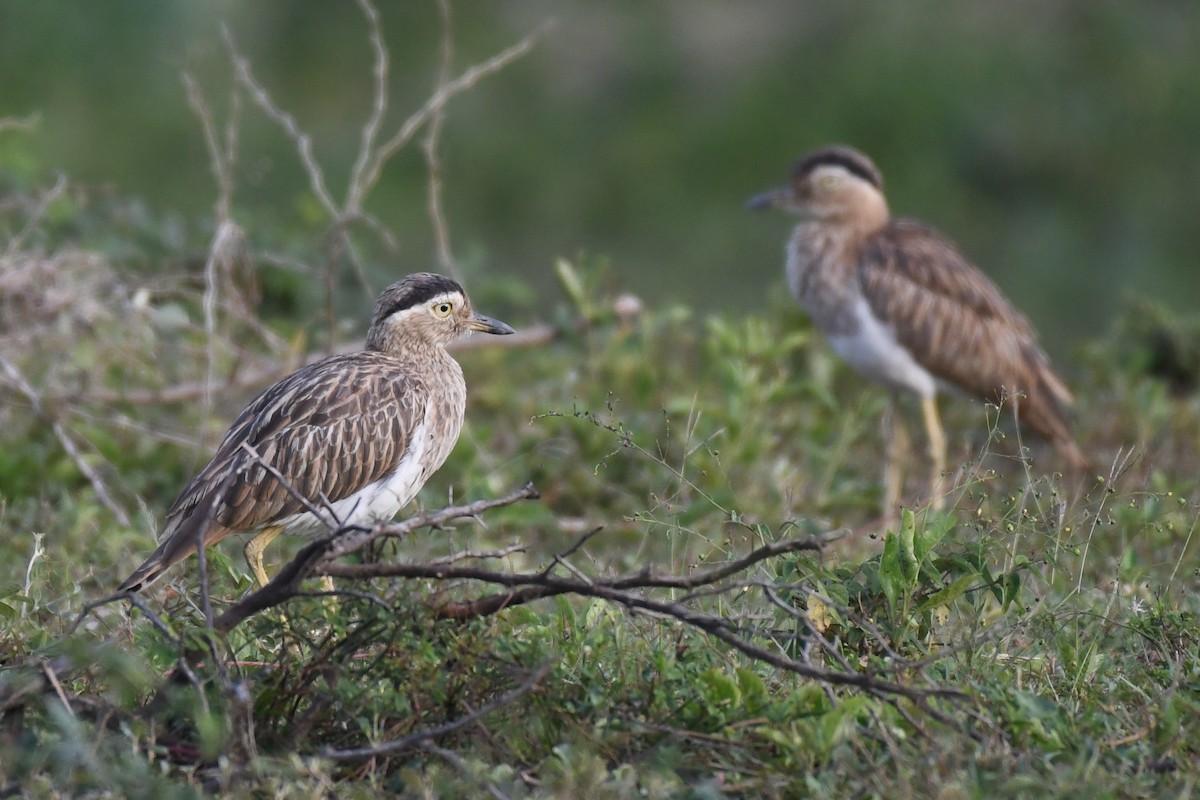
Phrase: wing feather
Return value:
(307, 428)
(959, 325)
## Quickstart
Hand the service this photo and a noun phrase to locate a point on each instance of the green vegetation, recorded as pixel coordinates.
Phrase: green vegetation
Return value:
(1037, 638)
(1065, 614)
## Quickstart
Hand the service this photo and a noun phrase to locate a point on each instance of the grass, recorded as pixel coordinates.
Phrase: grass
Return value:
(1065, 610)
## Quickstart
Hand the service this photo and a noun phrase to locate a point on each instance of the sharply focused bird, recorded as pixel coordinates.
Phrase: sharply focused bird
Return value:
(898, 302)
(355, 435)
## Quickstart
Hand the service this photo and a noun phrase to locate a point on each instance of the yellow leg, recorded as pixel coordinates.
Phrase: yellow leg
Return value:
(896, 443)
(937, 451)
(254, 552)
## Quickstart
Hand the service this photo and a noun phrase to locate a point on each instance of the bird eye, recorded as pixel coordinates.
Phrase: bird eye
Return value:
(829, 181)
(442, 310)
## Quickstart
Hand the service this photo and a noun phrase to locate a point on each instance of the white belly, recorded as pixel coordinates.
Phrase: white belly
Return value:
(375, 502)
(874, 352)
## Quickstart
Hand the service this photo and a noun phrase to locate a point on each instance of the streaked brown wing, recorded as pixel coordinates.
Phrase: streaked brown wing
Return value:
(328, 429)
(957, 323)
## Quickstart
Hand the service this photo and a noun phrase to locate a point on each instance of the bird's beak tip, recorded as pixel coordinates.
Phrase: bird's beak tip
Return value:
(486, 324)
(764, 201)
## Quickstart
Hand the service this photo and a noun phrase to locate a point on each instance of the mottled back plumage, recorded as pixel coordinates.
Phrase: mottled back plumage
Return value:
(355, 435)
(902, 305)
(959, 326)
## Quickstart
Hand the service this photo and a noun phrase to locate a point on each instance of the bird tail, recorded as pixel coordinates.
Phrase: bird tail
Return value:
(178, 542)
(150, 571)
(1044, 411)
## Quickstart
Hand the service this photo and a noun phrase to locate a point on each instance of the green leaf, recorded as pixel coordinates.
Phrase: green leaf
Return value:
(932, 534)
(723, 690)
(891, 579)
(910, 564)
(1011, 588)
(572, 283)
(754, 691)
(948, 595)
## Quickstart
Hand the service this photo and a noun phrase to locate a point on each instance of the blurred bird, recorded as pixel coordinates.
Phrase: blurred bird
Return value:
(899, 303)
(352, 437)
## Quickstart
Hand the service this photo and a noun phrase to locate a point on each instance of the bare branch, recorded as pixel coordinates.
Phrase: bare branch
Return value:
(36, 215)
(480, 555)
(314, 558)
(531, 586)
(370, 131)
(526, 587)
(463, 82)
(68, 444)
(220, 153)
(642, 580)
(433, 159)
(303, 142)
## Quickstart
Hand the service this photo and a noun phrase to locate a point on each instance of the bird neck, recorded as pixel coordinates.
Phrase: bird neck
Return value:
(401, 345)
(863, 214)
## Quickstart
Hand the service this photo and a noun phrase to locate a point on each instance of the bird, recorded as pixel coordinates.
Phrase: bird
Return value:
(900, 303)
(348, 440)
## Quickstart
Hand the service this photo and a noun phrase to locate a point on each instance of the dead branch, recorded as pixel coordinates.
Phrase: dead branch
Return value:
(36, 215)
(536, 585)
(445, 93)
(313, 559)
(480, 555)
(303, 142)
(64, 439)
(645, 579)
(627, 591)
(430, 145)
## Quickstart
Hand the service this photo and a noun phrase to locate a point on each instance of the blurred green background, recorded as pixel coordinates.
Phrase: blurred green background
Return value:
(1057, 142)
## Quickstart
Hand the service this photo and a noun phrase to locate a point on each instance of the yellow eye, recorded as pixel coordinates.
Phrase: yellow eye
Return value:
(829, 180)
(442, 310)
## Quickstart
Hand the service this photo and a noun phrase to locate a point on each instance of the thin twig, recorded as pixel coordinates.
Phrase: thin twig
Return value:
(68, 444)
(457, 762)
(480, 555)
(314, 558)
(430, 145)
(462, 83)
(379, 104)
(52, 678)
(415, 739)
(303, 142)
(36, 215)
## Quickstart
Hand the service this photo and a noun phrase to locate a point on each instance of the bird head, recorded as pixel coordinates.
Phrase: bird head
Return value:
(425, 308)
(833, 183)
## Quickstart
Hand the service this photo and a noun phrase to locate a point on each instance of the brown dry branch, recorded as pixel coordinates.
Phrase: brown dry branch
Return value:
(438, 100)
(526, 587)
(372, 155)
(316, 557)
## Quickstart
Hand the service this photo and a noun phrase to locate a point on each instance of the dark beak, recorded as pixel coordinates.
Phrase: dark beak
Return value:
(776, 198)
(480, 322)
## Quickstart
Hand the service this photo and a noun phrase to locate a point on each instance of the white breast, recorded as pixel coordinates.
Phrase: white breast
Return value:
(872, 349)
(377, 501)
